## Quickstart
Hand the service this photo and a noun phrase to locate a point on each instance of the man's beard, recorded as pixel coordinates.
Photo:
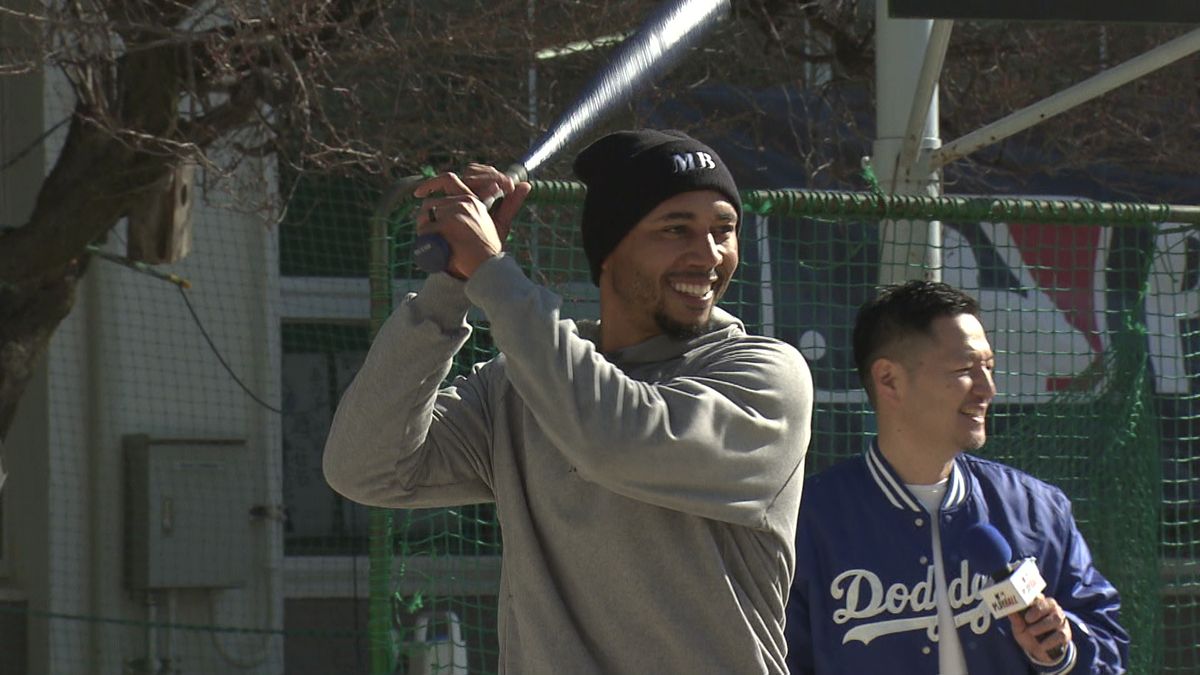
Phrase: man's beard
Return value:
(636, 288)
(681, 331)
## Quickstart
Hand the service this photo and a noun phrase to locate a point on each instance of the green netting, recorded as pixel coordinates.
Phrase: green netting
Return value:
(1090, 417)
(1094, 311)
(1099, 440)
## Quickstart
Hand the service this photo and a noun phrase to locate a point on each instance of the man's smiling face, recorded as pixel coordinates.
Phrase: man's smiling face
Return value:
(668, 273)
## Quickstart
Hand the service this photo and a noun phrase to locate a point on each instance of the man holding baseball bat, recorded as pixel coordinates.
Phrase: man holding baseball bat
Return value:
(646, 468)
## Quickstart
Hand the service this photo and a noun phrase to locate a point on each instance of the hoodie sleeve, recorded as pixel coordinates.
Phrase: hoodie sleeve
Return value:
(396, 440)
(722, 443)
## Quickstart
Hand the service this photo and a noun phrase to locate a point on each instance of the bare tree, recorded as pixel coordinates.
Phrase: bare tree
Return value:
(156, 83)
(1146, 128)
(322, 85)
(375, 88)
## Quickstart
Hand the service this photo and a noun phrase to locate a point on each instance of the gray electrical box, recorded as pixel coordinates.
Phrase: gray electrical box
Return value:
(188, 521)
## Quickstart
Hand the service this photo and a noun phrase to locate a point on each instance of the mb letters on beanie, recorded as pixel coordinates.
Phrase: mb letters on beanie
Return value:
(629, 173)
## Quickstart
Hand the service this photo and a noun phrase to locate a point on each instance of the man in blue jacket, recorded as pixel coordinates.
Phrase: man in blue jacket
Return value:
(882, 585)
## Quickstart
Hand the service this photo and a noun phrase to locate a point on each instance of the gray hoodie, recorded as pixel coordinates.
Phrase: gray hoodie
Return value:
(648, 497)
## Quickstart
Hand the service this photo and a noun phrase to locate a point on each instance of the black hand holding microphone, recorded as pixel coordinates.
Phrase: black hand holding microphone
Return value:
(1018, 583)
(656, 47)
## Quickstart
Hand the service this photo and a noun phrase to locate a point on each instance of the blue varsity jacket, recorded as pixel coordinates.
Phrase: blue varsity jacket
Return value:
(862, 600)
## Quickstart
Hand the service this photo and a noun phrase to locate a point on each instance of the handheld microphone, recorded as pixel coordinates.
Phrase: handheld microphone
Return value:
(1017, 584)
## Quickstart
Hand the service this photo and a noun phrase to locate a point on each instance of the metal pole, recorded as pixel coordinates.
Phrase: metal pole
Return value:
(839, 204)
(908, 249)
(379, 606)
(1068, 98)
(923, 98)
(844, 204)
(766, 282)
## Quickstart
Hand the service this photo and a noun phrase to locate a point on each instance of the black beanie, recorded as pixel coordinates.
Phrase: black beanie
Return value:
(629, 173)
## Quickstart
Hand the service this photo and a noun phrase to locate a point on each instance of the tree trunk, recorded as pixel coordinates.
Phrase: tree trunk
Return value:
(92, 186)
(99, 176)
(28, 318)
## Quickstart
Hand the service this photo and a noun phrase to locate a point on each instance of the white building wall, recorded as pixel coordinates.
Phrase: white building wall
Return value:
(130, 359)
